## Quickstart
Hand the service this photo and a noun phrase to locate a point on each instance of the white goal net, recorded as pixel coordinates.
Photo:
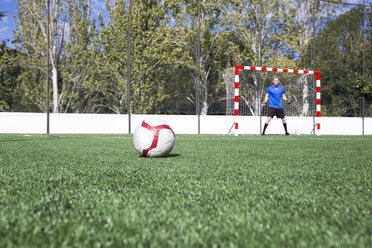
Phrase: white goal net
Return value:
(246, 89)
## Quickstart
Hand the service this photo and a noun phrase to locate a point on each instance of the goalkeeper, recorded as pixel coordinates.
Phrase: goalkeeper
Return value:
(274, 95)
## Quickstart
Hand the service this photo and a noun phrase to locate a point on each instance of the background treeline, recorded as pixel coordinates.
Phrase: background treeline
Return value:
(88, 53)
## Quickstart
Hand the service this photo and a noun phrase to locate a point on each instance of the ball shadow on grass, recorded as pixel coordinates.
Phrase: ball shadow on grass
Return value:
(168, 156)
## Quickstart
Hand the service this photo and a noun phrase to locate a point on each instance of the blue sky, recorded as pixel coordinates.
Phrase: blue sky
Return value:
(7, 24)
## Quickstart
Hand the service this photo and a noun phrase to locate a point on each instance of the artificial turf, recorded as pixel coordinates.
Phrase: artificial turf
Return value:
(212, 191)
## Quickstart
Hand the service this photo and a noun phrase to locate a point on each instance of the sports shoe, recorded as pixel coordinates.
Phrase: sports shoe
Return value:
(287, 133)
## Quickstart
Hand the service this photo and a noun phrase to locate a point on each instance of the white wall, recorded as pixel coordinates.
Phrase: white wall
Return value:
(182, 124)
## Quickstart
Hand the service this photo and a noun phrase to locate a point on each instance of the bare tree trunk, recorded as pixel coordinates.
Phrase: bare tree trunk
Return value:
(257, 99)
(204, 98)
(305, 95)
(55, 88)
(204, 108)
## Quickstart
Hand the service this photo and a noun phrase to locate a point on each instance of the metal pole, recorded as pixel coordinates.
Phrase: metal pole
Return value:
(312, 62)
(198, 69)
(197, 84)
(196, 78)
(363, 70)
(259, 52)
(47, 63)
(128, 65)
(258, 97)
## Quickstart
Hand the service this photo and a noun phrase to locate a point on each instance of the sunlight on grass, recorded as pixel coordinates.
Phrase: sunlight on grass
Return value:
(92, 190)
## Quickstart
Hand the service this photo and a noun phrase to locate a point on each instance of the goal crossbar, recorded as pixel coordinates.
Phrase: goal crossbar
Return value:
(254, 68)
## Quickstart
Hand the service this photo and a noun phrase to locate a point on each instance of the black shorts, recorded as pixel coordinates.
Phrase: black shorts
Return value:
(279, 112)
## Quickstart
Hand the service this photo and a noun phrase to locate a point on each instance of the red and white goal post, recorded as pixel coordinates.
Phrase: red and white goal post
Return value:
(265, 69)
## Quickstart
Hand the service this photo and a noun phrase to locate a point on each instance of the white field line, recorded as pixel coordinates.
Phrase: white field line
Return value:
(267, 137)
(73, 136)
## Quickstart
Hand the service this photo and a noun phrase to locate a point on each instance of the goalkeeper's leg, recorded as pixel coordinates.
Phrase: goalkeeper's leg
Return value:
(285, 126)
(266, 124)
(282, 116)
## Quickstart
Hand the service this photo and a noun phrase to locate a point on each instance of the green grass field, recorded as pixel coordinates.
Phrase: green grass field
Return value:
(213, 191)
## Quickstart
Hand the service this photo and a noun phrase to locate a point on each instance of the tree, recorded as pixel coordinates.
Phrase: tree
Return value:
(339, 56)
(73, 47)
(31, 36)
(14, 96)
(304, 18)
(214, 47)
(8, 77)
(155, 59)
(80, 72)
(214, 44)
(257, 26)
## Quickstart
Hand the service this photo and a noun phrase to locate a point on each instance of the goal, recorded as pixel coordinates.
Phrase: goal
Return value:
(245, 90)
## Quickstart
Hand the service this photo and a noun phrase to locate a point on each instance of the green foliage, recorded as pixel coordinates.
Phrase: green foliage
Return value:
(80, 72)
(339, 58)
(89, 191)
(8, 76)
(30, 40)
(15, 94)
(151, 53)
(89, 56)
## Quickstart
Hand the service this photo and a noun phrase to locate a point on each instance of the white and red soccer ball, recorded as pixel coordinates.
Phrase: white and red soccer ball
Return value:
(154, 138)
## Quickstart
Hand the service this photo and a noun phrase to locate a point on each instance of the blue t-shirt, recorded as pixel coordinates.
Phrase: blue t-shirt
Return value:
(275, 96)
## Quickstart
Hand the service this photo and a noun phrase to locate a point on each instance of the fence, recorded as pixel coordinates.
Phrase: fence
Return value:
(88, 54)
(35, 123)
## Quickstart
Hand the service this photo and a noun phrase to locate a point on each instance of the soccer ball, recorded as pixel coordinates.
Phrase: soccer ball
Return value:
(153, 138)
